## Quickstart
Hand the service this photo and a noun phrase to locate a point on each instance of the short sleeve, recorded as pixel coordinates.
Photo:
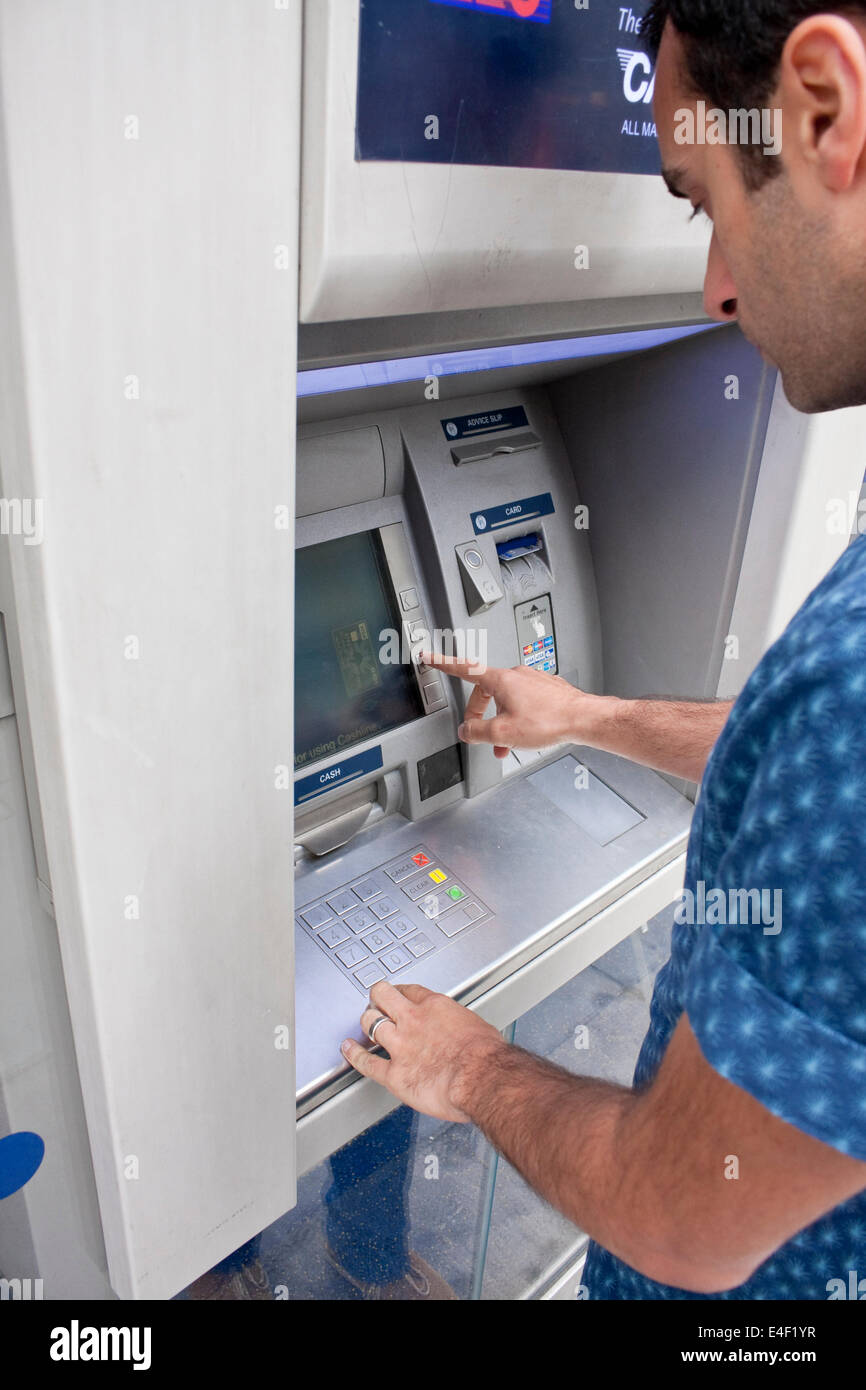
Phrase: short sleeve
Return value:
(776, 985)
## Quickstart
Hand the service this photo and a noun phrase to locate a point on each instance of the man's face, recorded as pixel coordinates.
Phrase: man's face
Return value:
(783, 260)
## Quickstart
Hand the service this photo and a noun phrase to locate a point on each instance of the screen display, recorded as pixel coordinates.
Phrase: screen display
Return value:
(527, 84)
(348, 688)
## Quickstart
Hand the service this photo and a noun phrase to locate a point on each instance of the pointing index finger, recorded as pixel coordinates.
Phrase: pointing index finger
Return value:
(464, 670)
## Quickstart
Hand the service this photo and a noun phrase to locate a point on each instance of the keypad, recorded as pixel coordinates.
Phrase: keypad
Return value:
(379, 926)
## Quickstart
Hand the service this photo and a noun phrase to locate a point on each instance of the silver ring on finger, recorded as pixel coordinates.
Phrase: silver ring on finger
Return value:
(371, 1032)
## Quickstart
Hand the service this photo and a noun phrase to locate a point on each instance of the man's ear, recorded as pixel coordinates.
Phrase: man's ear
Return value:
(822, 90)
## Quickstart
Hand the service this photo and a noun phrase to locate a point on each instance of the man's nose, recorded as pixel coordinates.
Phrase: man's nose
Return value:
(720, 292)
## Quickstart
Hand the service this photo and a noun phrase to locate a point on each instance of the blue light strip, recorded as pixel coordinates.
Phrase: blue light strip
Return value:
(360, 376)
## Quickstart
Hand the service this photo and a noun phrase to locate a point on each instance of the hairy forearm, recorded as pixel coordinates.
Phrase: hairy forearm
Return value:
(558, 1130)
(588, 1148)
(673, 736)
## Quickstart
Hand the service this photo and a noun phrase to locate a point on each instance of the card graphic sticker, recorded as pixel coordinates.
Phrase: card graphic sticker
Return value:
(359, 666)
(535, 634)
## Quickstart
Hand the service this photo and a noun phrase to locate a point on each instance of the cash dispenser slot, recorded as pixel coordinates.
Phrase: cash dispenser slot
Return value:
(319, 832)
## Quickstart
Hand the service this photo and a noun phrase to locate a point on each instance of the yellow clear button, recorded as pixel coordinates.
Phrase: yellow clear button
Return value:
(437, 875)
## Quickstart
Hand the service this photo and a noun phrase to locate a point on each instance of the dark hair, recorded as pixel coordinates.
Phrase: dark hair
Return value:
(733, 51)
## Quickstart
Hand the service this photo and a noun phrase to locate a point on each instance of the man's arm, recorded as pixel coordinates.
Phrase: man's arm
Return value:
(646, 1174)
(537, 710)
(674, 736)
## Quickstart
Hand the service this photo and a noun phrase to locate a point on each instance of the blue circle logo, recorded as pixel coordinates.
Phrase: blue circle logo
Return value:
(20, 1156)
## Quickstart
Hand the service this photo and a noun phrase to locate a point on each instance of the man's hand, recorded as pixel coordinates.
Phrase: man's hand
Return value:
(434, 1045)
(533, 708)
(537, 710)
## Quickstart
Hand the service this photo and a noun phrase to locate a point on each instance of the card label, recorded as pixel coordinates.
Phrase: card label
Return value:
(512, 514)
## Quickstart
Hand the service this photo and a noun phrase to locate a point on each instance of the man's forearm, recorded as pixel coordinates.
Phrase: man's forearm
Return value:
(673, 736)
(574, 1141)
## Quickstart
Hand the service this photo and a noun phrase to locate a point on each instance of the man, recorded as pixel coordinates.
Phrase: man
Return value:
(736, 1167)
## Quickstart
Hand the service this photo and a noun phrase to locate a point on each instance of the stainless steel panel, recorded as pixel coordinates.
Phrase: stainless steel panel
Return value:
(585, 799)
(538, 872)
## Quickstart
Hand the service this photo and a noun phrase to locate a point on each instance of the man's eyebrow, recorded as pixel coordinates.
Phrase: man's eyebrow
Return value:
(675, 178)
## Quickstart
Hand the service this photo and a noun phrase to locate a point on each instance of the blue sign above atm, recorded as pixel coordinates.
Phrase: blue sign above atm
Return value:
(537, 10)
(347, 770)
(527, 509)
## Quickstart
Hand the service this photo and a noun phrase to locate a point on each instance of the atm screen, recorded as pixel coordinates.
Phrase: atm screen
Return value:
(345, 613)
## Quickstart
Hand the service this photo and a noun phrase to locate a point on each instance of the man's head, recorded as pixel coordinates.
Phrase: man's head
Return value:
(788, 256)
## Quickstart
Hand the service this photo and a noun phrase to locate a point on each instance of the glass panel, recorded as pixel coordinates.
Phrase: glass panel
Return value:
(593, 1026)
(399, 1214)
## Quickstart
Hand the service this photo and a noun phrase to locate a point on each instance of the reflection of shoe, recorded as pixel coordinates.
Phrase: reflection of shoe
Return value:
(420, 1281)
(248, 1282)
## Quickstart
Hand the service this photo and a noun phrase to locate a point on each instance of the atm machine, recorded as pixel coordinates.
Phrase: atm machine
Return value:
(418, 857)
(410, 363)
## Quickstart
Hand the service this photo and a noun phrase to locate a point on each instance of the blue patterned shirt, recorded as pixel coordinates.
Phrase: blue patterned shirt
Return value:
(775, 990)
